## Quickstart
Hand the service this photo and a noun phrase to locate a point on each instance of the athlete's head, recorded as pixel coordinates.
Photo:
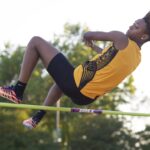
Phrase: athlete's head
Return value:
(140, 30)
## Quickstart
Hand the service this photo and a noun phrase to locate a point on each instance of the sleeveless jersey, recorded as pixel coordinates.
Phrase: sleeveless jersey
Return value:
(106, 70)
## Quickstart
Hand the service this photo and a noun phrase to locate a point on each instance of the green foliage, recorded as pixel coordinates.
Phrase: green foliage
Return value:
(9, 65)
(15, 137)
(101, 132)
(144, 138)
(78, 131)
(70, 43)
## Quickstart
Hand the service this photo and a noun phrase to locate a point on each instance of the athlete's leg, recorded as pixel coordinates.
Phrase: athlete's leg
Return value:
(37, 48)
(53, 96)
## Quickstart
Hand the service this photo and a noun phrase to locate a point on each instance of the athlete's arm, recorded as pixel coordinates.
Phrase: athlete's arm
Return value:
(119, 39)
(93, 46)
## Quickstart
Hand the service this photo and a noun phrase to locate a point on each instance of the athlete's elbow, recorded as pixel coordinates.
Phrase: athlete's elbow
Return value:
(88, 35)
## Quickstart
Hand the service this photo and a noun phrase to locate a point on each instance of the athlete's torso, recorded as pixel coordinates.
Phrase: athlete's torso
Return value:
(106, 70)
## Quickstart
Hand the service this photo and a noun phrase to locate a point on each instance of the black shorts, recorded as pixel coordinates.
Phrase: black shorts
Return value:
(62, 72)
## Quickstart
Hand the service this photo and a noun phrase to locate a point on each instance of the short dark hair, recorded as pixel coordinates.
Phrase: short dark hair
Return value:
(147, 20)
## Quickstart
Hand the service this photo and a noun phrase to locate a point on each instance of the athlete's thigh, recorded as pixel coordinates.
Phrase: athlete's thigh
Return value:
(46, 50)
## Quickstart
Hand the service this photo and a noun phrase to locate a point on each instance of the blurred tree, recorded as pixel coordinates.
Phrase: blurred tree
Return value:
(77, 53)
(78, 130)
(97, 132)
(144, 138)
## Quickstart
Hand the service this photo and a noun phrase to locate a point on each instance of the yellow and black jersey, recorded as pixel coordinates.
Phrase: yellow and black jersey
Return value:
(106, 70)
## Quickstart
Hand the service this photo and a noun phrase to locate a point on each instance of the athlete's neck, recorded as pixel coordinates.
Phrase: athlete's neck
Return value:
(138, 42)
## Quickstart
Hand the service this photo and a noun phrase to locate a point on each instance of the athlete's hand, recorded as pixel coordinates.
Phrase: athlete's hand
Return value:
(87, 40)
(88, 43)
(92, 45)
(87, 36)
(96, 48)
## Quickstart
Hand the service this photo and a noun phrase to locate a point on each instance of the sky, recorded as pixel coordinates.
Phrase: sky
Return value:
(20, 20)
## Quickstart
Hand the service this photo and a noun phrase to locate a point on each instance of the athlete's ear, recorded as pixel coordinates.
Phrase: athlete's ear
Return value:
(145, 37)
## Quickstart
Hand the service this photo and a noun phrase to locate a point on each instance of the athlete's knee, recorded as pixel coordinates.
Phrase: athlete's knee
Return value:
(35, 41)
(39, 42)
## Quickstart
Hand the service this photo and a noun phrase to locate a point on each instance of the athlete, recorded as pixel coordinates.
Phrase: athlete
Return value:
(88, 81)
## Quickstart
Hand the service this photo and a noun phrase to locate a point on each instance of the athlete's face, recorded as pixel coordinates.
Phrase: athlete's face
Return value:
(138, 29)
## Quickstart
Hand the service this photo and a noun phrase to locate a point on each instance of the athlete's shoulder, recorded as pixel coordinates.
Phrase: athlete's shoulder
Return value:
(120, 39)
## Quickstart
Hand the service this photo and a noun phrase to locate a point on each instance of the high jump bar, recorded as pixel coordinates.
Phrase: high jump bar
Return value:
(67, 109)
